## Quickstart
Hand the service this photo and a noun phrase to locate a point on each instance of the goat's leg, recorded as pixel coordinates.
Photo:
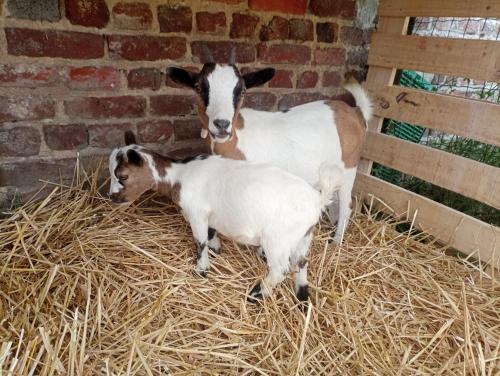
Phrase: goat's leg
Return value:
(300, 260)
(333, 209)
(278, 266)
(213, 240)
(199, 227)
(345, 204)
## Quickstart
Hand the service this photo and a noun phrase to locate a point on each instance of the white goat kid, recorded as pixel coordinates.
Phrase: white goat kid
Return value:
(299, 140)
(254, 204)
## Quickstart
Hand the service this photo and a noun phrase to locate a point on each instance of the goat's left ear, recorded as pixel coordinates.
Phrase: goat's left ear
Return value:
(258, 78)
(130, 138)
(134, 157)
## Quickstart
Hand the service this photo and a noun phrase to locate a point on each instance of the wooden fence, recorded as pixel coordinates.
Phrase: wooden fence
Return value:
(393, 49)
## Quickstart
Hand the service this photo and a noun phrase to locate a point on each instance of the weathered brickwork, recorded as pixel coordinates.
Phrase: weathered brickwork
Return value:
(75, 74)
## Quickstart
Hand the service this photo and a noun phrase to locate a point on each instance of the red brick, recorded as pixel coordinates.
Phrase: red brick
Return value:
(92, 13)
(327, 32)
(132, 16)
(284, 53)
(278, 28)
(333, 8)
(173, 105)
(19, 142)
(21, 75)
(331, 79)
(351, 35)
(207, 22)
(243, 25)
(187, 129)
(144, 78)
(329, 56)
(359, 57)
(221, 51)
(93, 78)
(285, 6)
(154, 131)
(106, 107)
(282, 78)
(307, 80)
(54, 43)
(65, 136)
(27, 107)
(259, 101)
(301, 29)
(292, 100)
(142, 47)
(175, 19)
(107, 135)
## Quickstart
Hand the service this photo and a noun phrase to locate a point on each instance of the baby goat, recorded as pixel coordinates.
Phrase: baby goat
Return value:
(298, 140)
(254, 204)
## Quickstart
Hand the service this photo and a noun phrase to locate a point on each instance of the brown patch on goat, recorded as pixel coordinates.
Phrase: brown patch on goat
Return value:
(302, 263)
(229, 149)
(140, 179)
(351, 129)
(176, 193)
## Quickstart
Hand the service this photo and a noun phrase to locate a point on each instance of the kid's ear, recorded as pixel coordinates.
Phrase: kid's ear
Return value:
(182, 77)
(134, 157)
(130, 138)
(258, 78)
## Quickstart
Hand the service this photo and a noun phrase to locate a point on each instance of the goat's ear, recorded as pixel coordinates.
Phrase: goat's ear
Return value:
(182, 77)
(134, 157)
(258, 78)
(130, 138)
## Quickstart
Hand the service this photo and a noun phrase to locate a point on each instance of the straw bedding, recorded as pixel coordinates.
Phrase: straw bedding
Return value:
(91, 289)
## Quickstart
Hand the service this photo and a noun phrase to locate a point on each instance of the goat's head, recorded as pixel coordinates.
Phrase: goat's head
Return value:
(220, 89)
(131, 170)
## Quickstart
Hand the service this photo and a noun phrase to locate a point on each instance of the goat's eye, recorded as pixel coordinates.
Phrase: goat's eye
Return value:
(122, 178)
(197, 89)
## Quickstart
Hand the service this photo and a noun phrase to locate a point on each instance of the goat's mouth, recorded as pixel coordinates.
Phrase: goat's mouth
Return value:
(220, 136)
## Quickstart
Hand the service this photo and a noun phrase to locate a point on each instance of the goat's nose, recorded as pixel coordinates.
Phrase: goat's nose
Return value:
(221, 124)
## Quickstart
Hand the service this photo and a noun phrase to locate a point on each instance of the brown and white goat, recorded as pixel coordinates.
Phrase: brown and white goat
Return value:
(251, 203)
(298, 140)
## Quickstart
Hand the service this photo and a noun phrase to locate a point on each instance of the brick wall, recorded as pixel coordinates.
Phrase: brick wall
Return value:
(74, 74)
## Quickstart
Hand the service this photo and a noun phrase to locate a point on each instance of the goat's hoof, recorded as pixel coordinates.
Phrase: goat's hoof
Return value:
(302, 293)
(256, 294)
(200, 273)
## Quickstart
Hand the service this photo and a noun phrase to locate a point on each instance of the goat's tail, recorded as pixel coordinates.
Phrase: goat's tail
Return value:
(361, 97)
(331, 178)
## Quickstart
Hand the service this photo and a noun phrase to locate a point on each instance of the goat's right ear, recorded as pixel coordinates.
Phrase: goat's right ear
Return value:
(182, 77)
(258, 78)
(130, 138)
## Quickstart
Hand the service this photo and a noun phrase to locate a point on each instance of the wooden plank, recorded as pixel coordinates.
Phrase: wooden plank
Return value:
(451, 227)
(379, 76)
(440, 8)
(463, 117)
(478, 59)
(458, 174)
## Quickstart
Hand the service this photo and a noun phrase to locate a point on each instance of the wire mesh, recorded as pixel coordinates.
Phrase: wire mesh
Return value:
(460, 28)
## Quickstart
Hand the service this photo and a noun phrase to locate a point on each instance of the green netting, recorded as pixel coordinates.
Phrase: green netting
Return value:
(402, 130)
